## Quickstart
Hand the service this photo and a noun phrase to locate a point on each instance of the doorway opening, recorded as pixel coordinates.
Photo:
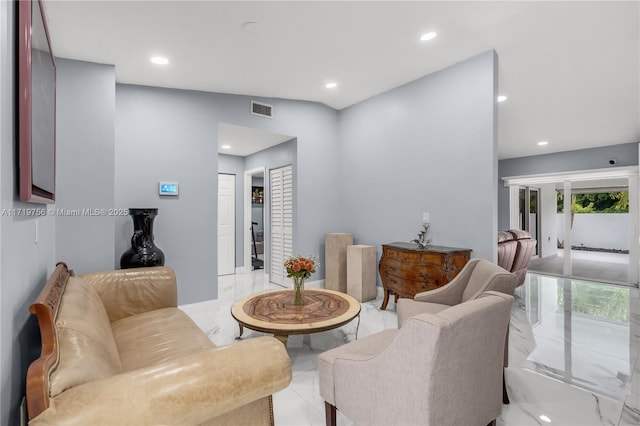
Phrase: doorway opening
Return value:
(576, 245)
(250, 154)
(255, 194)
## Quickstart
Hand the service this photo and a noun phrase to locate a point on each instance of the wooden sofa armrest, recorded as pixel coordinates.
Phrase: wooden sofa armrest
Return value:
(189, 390)
(127, 292)
(46, 310)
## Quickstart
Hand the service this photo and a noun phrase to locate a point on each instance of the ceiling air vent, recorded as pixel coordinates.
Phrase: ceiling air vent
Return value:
(263, 110)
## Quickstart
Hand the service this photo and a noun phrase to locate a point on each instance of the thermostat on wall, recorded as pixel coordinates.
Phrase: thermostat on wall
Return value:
(168, 188)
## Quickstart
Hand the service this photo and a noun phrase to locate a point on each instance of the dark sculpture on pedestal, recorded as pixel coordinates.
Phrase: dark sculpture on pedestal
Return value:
(143, 252)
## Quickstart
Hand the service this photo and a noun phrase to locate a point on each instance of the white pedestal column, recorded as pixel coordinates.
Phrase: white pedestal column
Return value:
(361, 272)
(335, 259)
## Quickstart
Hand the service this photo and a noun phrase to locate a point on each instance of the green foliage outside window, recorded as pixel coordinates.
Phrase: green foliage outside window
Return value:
(604, 202)
(587, 299)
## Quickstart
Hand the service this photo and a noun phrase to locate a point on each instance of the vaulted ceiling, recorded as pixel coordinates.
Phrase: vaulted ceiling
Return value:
(570, 70)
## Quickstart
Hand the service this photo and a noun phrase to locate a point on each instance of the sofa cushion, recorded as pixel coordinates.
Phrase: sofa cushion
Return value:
(87, 349)
(157, 336)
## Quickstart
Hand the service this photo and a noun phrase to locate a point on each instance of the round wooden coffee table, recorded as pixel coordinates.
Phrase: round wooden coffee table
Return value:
(273, 312)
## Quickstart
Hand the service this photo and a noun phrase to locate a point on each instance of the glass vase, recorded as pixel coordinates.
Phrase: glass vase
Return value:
(298, 286)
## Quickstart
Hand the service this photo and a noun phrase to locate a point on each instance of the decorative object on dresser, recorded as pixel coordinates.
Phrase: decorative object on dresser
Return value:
(406, 269)
(143, 251)
(423, 237)
(335, 258)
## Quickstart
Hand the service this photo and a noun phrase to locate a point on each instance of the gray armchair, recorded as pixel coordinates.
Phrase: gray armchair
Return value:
(438, 369)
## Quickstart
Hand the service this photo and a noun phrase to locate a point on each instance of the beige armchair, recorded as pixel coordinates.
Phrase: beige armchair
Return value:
(476, 277)
(438, 369)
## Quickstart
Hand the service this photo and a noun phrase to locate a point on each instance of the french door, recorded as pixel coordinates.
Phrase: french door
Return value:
(226, 224)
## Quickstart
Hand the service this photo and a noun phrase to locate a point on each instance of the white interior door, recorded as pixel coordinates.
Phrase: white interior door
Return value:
(226, 224)
(281, 186)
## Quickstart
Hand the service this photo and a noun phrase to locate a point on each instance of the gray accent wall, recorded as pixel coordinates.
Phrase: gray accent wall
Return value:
(24, 264)
(170, 135)
(165, 134)
(583, 159)
(428, 146)
(85, 165)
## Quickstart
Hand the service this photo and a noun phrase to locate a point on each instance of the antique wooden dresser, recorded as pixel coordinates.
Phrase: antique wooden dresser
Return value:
(406, 270)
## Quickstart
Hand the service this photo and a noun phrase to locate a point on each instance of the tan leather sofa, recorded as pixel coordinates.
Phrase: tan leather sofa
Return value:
(117, 350)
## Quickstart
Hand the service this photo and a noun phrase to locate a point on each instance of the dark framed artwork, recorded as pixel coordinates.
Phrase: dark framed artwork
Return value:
(36, 105)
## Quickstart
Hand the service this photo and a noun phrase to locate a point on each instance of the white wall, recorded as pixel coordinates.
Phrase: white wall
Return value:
(598, 230)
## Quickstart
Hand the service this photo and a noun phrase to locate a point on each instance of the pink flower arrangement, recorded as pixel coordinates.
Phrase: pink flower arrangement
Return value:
(300, 267)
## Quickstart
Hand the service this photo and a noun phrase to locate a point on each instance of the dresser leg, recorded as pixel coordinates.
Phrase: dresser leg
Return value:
(385, 301)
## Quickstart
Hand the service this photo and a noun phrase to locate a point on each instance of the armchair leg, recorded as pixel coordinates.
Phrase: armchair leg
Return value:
(330, 414)
(505, 395)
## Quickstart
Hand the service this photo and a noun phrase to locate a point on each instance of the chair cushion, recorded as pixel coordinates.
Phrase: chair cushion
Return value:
(408, 308)
(157, 336)
(88, 351)
(505, 236)
(359, 349)
(519, 234)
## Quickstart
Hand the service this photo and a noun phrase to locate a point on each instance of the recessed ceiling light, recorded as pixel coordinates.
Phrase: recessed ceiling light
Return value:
(226, 147)
(545, 418)
(502, 98)
(331, 85)
(542, 143)
(428, 36)
(159, 60)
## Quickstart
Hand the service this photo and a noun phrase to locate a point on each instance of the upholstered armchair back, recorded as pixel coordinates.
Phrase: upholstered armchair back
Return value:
(487, 276)
(438, 369)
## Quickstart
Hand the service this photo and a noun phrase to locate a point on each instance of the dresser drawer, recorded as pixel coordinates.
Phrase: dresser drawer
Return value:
(413, 272)
(404, 287)
(401, 255)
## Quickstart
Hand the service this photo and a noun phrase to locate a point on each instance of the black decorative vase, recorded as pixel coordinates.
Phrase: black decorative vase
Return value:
(143, 252)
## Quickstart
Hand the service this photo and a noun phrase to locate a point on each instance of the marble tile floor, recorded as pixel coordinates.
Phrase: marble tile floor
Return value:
(573, 351)
(590, 265)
